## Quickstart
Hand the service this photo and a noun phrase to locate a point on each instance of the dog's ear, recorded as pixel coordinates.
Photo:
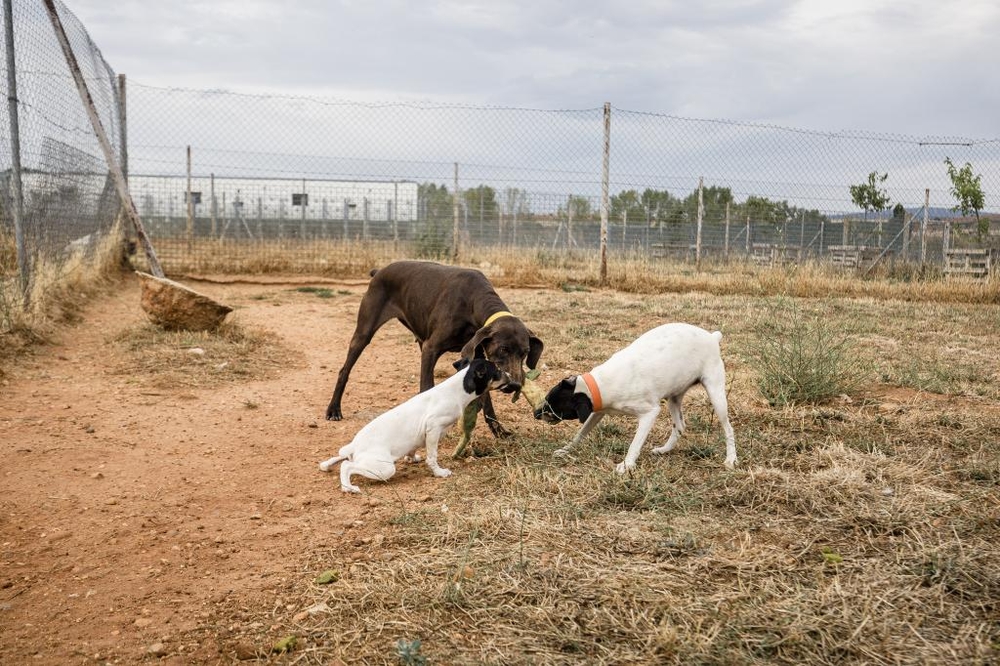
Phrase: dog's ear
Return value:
(568, 383)
(477, 378)
(460, 363)
(584, 408)
(534, 350)
(474, 347)
(469, 381)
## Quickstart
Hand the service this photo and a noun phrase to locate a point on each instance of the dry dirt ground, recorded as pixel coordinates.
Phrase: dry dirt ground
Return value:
(141, 520)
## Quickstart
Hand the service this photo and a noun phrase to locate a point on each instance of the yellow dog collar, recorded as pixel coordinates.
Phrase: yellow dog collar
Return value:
(496, 315)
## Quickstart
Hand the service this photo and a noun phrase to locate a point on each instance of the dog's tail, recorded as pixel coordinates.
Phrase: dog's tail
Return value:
(327, 465)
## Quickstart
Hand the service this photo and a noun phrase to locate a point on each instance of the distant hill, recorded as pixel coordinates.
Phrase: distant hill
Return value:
(934, 213)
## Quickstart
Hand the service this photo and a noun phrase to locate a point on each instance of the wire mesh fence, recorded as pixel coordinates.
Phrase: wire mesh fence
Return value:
(67, 204)
(277, 182)
(300, 169)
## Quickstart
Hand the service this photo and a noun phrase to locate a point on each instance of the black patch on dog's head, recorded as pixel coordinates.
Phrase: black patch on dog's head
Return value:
(481, 375)
(563, 403)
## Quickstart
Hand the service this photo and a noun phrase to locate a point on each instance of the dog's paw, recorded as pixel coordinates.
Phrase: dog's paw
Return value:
(414, 458)
(561, 453)
(730, 464)
(442, 472)
(666, 448)
(350, 489)
(624, 468)
(325, 466)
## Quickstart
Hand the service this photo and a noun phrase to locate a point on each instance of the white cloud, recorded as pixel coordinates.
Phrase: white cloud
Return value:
(812, 63)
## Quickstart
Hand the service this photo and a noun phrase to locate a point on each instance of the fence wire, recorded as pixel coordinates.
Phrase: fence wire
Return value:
(281, 182)
(301, 169)
(69, 202)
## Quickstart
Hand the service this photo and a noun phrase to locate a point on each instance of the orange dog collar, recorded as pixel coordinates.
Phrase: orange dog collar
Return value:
(595, 393)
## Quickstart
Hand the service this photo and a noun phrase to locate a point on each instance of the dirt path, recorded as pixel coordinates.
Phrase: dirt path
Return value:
(131, 516)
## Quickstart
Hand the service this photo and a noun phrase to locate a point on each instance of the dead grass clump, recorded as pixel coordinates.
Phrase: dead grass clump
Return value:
(60, 287)
(153, 356)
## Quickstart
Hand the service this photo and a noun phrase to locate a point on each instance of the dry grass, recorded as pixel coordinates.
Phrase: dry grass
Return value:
(59, 289)
(234, 353)
(864, 530)
(627, 272)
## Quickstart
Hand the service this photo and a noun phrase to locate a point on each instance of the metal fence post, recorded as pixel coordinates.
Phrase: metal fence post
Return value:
(802, 234)
(17, 209)
(907, 223)
(946, 241)
(923, 226)
(726, 250)
(190, 205)
(570, 242)
(455, 224)
(700, 219)
(215, 206)
(364, 218)
(346, 214)
(123, 126)
(302, 204)
(605, 175)
(395, 217)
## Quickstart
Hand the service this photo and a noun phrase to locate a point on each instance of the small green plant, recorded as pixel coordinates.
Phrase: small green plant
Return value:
(803, 359)
(409, 652)
(831, 556)
(320, 292)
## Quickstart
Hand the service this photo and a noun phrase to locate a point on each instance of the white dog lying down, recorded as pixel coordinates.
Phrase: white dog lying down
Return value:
(662, 363)
(420, 421)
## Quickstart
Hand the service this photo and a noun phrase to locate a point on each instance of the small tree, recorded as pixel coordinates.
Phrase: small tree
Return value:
(868, 197)
(968, 192)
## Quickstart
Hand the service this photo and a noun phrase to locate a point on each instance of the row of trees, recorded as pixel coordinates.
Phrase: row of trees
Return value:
(659, 208)
(653, 208)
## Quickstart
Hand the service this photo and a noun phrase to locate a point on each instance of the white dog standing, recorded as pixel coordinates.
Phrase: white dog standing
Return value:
(420, 421)
(662, 363)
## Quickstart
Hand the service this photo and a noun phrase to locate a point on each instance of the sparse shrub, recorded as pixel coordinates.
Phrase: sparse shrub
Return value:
(803, 358)
(409, 652)
(434, 241)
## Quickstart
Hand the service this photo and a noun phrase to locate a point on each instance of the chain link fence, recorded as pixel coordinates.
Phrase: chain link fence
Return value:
(289, 172)
(68, 205)
(230, 181)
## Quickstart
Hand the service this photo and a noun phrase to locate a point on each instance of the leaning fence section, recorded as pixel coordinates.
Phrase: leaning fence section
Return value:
(67, 205)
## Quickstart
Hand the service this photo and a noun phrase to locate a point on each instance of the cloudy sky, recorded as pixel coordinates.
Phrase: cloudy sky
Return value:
(913, 67)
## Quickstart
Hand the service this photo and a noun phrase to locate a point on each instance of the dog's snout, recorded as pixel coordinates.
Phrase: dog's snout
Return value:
(511, 386)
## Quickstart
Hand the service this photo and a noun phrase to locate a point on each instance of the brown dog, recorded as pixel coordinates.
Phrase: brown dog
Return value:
(448, 309)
